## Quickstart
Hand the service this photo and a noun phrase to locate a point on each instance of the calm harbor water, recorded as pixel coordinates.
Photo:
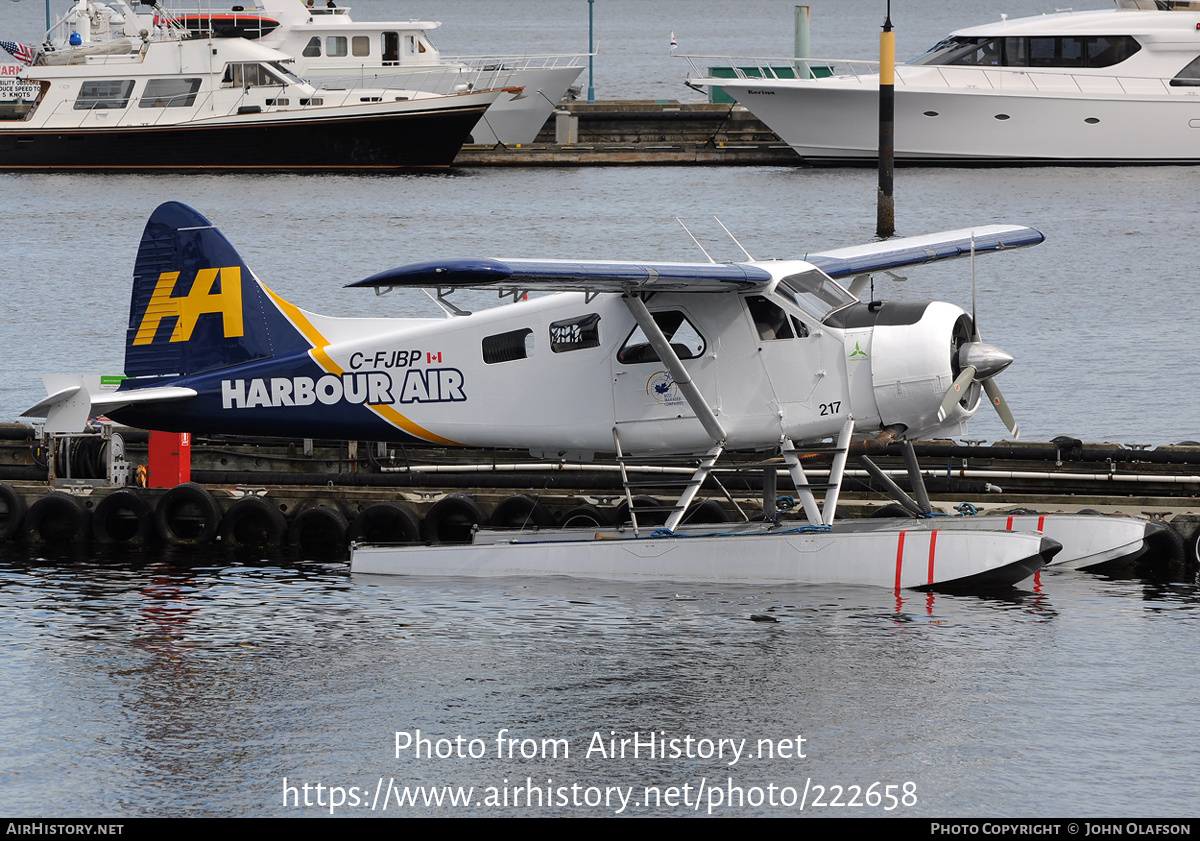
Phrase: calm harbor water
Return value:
(194, 684)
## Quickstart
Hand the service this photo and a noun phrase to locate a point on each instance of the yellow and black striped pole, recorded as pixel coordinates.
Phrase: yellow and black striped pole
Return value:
(885, 219)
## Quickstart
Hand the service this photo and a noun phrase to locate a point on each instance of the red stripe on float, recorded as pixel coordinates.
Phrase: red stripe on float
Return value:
(1041, 522)
(899, 557)
(932, 544)
(1010, 522)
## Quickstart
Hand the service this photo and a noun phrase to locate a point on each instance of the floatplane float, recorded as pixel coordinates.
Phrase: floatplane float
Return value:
(643, 360)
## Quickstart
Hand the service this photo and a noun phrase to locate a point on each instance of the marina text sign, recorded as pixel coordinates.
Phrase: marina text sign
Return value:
(15, 89)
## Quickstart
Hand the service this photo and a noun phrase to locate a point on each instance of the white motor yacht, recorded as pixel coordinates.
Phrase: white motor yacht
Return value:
(170, 99)
(1110, 86)
(333, 50)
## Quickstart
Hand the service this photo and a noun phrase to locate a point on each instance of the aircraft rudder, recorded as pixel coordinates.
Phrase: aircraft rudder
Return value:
(195, 304)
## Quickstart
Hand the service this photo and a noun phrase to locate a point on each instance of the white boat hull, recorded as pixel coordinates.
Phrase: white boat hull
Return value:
(837, 121)
(514, 118)
(859, 552)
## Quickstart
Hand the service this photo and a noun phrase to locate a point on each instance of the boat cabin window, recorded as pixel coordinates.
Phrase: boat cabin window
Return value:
(250, 75)
(169, 93)
(1188, 77)
(390, 46)
(575, 333)
(105, 94)
(506, 347)
(360, 45)
(313, 48)
(685, 340)
(1065, 51)
(336, 46)
(814, 292)
(770, 320)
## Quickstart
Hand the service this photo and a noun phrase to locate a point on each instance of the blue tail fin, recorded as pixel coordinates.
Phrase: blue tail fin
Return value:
(196, 306)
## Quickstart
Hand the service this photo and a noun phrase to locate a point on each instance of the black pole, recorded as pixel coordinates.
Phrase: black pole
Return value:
(885, 220)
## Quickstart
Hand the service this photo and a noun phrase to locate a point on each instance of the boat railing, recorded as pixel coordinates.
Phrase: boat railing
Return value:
(521, 62)
(783, 67)
(435, 79)
(1011, 79)
(1047, 80)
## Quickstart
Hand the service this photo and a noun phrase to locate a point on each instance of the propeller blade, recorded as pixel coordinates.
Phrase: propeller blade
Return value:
(956, 392)
(975, 337)
(1006, 415)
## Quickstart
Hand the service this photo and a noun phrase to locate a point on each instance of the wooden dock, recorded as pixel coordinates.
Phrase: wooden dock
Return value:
(271, 491)
(643, 133)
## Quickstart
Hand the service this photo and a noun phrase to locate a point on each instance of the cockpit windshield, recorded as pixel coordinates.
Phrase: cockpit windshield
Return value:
(815, 292)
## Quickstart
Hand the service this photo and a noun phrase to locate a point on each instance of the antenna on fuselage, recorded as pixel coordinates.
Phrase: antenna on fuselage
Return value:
(735, 239)
(698, 245)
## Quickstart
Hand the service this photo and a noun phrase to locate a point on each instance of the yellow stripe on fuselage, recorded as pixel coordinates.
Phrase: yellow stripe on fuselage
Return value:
(321, 356)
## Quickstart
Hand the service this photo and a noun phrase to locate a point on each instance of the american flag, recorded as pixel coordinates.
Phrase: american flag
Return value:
(21, 52)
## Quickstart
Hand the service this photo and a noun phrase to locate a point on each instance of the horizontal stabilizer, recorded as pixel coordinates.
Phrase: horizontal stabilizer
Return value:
(73, 398)
(909, 251)
(573, 276)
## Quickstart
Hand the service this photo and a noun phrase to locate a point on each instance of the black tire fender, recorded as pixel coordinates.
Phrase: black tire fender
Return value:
(521, 511)
(123, 517)
(586, 516)
(187, 514)
(253, 522)
(386, 522)
(57, 518)
(13, 513)
(706, 511)
(641, 503)
(318, 528)
(452, 519)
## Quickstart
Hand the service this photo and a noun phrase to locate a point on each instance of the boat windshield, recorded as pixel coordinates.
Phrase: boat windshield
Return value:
(291, 77)
(1050, 51)
(815, 292)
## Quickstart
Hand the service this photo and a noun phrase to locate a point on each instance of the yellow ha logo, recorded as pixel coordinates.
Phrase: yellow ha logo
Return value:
(199, 301)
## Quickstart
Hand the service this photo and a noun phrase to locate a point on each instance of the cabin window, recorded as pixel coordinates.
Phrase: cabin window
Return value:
(814, 292)
(106, 94)
(335, 46)
(506, 347)
(575, 333)
(249, 76)
(360, 45)
(685, 340)
(391, 48)
(1188, 77)
(770, 320)
(410, 45)
(169, 93)
(313, 48)
(1064, 51)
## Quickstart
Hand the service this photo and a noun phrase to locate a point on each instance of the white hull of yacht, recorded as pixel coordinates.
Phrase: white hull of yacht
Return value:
(835, 121)
(856, 553)
(515, 118)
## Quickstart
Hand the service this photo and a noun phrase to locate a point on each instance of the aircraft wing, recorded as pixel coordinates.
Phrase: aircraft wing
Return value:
(573, 276)
(908, 251)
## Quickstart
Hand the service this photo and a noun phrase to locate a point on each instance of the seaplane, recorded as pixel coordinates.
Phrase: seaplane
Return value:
(635, 359)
